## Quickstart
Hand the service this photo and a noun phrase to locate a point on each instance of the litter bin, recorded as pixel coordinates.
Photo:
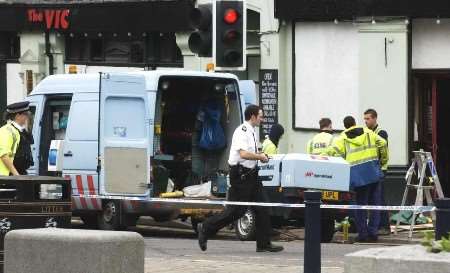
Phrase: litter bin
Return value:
(33, 202)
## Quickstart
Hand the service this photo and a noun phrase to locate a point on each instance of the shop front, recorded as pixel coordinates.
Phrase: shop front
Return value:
(43, 38)
(352, 55)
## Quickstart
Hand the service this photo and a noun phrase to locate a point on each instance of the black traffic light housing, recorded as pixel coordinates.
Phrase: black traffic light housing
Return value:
(229, 39)
(200, 41)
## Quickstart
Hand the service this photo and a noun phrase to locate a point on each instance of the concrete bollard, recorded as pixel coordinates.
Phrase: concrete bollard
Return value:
(53, 250)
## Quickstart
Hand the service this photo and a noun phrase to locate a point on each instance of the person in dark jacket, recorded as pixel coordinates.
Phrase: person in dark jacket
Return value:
(270, 144)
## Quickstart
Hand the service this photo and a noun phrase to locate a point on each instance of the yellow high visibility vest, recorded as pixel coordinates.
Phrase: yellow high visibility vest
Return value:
(365, 153)
(269, 148)
(384, 167)
(366, 147)
(319, 143)
(9, 141)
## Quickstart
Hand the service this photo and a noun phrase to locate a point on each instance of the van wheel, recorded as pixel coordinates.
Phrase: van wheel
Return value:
(90, 221)
(327, 230)
(109, 218)
(245, 226)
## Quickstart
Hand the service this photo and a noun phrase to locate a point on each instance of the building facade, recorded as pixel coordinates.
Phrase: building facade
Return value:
(309, 58)
(347, 56)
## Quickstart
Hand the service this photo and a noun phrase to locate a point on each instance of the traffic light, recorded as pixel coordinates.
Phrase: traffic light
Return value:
(200, 41)
(229, 37)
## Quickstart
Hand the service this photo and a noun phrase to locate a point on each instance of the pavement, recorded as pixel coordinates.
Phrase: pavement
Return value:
(173, 247)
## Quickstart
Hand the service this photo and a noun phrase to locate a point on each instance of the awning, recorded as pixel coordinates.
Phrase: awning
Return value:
(95, 16)
(320, 10)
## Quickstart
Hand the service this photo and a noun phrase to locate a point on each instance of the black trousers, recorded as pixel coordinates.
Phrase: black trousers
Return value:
(245, 190)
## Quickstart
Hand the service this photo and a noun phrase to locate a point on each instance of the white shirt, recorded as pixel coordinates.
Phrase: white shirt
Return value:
(243, 139)
(20, 128)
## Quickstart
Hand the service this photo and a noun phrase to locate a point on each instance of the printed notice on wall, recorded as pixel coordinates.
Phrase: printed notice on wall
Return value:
(268, 99)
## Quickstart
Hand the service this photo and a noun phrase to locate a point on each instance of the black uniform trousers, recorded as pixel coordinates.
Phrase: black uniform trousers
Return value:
(248, 189)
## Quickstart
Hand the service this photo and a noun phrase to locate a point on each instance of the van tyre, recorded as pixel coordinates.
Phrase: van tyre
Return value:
(245, 226)
(327, 230)
(109, 218)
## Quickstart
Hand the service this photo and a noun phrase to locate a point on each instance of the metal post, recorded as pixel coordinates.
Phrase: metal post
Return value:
(312, 232)
(442, 218)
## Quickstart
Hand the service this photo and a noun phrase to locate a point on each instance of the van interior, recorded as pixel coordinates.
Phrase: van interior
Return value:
(184, 119)
(54, 125)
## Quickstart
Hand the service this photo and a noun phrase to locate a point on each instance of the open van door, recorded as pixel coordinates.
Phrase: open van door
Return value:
(124, 135)
(247, 89)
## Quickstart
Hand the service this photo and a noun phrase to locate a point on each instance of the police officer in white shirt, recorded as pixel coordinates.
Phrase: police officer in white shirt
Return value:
(245, 186)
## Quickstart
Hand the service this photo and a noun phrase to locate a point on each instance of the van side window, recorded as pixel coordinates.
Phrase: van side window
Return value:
(83, 123)
(31, 121)
(59, 117)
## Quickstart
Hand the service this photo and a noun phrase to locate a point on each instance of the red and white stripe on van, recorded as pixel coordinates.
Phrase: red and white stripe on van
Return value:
(83, 184)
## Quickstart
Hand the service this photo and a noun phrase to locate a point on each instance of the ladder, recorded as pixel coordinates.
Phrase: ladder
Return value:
(426, 183)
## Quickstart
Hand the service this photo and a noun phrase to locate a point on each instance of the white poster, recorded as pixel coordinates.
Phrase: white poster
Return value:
(326, 73)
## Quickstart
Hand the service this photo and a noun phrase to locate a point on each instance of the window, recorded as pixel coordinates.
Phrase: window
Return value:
(150, 49)
(31, 120)
(9, 46)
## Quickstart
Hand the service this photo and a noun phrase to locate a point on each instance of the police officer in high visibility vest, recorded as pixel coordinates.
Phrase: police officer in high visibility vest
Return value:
(17, 116)
(370, 118)
(320, 142)
(366, 152)
(245, 186)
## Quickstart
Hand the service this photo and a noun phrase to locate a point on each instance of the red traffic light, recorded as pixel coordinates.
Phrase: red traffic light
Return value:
(230, 16)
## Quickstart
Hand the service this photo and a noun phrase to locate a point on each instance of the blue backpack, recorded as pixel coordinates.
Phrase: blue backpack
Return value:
(213, 136)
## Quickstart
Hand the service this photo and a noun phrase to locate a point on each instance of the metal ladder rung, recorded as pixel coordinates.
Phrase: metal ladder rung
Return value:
(423, 187)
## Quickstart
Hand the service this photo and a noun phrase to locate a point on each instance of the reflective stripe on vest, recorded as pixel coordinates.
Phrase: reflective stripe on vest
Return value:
(360, 154)
(320, 142)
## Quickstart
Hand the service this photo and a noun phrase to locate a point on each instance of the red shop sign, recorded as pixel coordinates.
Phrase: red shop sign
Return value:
(53, 18)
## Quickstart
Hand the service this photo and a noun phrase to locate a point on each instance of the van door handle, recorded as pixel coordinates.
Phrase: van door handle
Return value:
(69, 153)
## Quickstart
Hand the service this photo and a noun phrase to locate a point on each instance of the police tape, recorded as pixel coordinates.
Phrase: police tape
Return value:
(259, 204)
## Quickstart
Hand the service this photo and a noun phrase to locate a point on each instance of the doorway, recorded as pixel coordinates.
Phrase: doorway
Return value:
(431, 120)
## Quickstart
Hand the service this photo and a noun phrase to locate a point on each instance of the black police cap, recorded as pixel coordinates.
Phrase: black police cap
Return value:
(18, 107)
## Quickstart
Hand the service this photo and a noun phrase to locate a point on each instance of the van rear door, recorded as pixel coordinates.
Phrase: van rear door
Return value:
(247, 89)
(36, 105)
(124, 135)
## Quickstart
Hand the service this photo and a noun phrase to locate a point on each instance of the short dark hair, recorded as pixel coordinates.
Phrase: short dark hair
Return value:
(324, 122)
(251, 110)
(349, 121)
(372, 112)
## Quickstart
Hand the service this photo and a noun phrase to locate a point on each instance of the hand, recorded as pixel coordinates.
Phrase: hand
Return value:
(263, 158)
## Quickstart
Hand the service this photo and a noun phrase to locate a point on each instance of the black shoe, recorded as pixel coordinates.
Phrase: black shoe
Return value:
(372, 239)
(202, 240)
(270, 248)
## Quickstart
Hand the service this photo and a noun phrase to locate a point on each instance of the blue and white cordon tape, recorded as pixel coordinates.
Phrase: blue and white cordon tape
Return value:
(260, 204)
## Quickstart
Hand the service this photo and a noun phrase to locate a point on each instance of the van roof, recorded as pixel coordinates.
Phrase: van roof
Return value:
(88, 83)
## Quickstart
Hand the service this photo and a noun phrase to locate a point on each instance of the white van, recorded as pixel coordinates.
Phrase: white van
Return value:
(144, 120)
